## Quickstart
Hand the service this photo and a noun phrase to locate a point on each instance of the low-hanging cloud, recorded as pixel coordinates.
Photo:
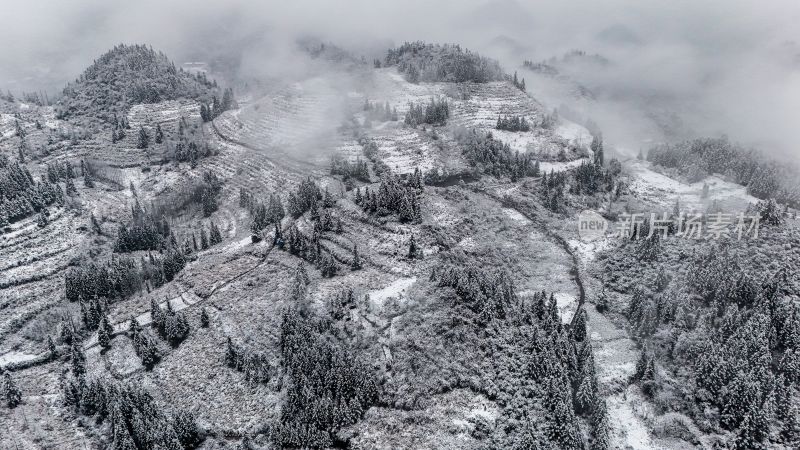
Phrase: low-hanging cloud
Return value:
(728, 67)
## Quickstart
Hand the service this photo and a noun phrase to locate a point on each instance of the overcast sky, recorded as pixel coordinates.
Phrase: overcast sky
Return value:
(735, 64)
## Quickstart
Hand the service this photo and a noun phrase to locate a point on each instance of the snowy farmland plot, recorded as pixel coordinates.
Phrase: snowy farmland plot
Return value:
(265, 242)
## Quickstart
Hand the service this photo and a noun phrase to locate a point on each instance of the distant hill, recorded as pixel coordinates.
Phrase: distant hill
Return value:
(619, 34)
(419, 61)
(128, 75)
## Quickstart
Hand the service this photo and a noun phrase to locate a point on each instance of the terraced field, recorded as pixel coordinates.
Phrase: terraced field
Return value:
(269, 145)
(32, 272)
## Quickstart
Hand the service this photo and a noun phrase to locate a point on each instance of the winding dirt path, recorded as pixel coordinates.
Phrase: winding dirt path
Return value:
(615, 352)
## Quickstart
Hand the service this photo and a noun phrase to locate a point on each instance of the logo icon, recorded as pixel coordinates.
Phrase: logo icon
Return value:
(591, 226)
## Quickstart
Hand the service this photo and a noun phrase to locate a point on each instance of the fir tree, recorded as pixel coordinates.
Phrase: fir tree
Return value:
(11, 392)
(562, 425)
(578, 328)
(78, 360)
(231, 354)
(145, 347)
(204, 319)
(356, 264)
(104, 333)
(95, 224)
(186, 429)
(413, 251)
(215, 237)
(144, 139)
(52, 350)
(67, 333)
(602, 302)
(275, 212)
(327, 265)
(753, 430)
(601, 439)
(597, 149)
(42, 221)
(71, 190)
(203, 239)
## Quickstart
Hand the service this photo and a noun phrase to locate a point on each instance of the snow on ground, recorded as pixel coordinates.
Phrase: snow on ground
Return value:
(547, 167)
(574, 133)
(166, 112)
(397, 289)
(468, 244)
(587, 251)
(615, 356)
(518, 141)
(442, 213)
(15, 357)
(567, 304)
(392, 87)
(516, 216)
(628, 430)
(664, 191)
(403, 150)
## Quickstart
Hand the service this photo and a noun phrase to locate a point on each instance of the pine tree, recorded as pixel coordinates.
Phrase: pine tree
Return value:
(146, 348)
(52, 350)
(134, 328)
(144, 139)
(586, 394)
(104, 333)
(301, 274)
(78, 360)
(95, 224)
(204, 319)
(789, 365)
(641, 366)
(215, 237)
(753, 429)
(159, 134)
(601, 439)
(216, 108)
(67, 334)
(299, 288)
(203, 239)
(71, 190)
(11, 392)
(601, 304)
(208, 199)
(562, 425)
(356, 264)
(275, 212)
(578, 328)
(413, 251)
(278, 238)
(552, 311)
(186, 429)
(42, 221)
(327, 265)
(231, 354)
(597, 149)
(789, 414)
